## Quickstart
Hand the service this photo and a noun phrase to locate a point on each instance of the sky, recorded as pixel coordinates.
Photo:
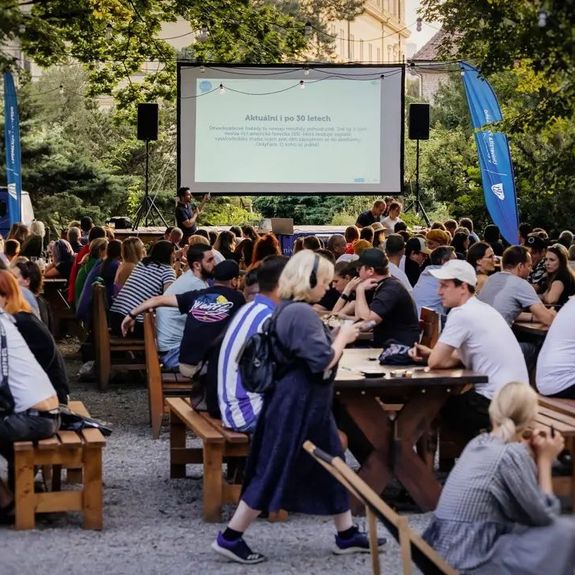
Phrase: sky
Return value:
(427, 31)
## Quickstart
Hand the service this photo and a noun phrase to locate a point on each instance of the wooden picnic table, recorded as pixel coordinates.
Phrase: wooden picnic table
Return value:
(384, 442)
(531, 328)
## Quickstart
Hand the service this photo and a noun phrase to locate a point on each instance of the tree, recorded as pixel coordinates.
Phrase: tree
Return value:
(504, 35)
(113, 39)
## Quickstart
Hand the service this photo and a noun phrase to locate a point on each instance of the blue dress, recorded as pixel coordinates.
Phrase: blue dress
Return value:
(280, 474)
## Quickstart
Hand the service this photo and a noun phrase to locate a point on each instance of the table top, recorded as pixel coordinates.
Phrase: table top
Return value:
(360, 366)
(532, 327)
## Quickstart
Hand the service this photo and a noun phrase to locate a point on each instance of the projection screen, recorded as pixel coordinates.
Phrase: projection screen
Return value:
(288, 129)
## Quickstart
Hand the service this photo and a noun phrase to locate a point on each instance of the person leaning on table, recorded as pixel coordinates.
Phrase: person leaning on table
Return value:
(279, 473)
(35, 415)
(477, 336)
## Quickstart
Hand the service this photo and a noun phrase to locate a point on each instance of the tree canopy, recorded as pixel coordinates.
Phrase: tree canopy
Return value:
(114, 39)
(535, 39)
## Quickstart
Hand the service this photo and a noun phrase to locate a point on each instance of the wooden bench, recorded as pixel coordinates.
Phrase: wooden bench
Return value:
(80, 453)
(105, 344)
(560, 413)
(413, 547)
(161, 384)
(218, 446)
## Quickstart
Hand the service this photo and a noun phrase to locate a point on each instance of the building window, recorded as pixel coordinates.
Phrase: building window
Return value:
(369, 53)
(378, 59)
(361, 50)
(389, 53)
(351, 48)
(342, 42)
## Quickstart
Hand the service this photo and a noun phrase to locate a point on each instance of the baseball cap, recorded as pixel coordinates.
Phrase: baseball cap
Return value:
(535, 242)
(456, 270)
(416, 245)
(439, 236)
(374, 258)
(226, 270)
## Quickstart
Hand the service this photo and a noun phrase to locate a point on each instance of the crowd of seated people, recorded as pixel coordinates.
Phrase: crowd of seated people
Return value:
(211, 291)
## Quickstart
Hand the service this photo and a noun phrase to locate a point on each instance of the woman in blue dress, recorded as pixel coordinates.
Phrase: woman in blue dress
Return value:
(497, 514)
(279, 473)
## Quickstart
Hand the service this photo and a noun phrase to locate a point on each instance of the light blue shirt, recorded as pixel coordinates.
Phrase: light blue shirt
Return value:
(425, 292)
(170, 322)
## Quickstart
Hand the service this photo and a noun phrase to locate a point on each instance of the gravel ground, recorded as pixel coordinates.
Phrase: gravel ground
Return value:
(153, 524)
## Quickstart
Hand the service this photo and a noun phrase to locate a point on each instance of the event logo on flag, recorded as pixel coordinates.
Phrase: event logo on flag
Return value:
(494, 156)
(12, 141)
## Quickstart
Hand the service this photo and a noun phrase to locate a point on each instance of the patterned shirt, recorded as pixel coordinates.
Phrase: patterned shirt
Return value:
(238, 407)
(145, 281)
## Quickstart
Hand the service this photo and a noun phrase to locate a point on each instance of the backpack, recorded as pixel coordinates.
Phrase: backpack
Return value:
(258, 363)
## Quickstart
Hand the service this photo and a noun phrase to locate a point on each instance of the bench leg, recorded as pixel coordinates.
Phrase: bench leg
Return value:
(213, 481)
(24, 490)
(92, 492)
(177, 442)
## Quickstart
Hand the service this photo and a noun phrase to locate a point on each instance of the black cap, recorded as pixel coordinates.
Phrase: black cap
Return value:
(226, 270)
(535, 242)
(374, 258)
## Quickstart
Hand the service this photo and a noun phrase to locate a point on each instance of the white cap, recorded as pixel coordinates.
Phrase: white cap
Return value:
(456, 270)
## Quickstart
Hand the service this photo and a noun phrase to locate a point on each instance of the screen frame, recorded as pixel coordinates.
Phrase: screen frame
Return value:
(185, 64)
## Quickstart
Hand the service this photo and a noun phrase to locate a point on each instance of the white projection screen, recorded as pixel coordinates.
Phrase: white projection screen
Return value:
(291, 130)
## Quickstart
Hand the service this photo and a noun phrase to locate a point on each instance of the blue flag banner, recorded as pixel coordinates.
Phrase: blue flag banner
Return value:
(12, 139)
(494, 156)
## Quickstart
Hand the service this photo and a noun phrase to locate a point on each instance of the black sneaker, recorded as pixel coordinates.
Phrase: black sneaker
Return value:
(358, 543)
(237, 550)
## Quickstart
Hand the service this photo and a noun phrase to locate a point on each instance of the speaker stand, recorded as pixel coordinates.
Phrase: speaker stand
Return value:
(147, 207)
(416, 204)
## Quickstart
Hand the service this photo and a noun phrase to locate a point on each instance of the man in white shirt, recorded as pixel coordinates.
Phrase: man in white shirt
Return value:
(394, 250)
(556, 364)
(170, 323)
(477, 336)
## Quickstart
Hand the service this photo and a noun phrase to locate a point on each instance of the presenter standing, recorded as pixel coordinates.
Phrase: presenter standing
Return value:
(187, 213)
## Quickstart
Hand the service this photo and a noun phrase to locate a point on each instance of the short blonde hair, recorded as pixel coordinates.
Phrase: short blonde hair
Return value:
(294, 280)
(513, 409)
(197, 239)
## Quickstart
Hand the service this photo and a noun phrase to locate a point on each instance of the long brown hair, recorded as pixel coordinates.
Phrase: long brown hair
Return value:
(10, 289)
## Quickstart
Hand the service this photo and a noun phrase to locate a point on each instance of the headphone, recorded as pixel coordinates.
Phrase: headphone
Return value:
(313, 274)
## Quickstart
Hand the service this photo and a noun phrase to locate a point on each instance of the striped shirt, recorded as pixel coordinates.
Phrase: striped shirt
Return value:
(143, 283)
(239, 408)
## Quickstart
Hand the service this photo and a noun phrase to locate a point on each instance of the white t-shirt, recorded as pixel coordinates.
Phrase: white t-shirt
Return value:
(28, 382)
(389, 224)
(396, 272)
(556, 362)
(486, 345)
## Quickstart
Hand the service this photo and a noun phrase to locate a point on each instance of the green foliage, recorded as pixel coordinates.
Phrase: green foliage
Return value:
(116, 39)
(504, 35)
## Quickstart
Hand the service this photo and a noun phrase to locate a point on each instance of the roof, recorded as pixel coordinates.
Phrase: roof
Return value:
(430, 51)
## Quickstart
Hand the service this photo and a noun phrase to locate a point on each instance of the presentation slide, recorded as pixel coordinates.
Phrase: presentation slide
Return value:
(291, 130)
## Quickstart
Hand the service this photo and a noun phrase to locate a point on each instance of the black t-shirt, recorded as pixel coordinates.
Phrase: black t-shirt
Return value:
(208, 313)
(365, 219)
(44, 348)
(185, 212)
(329, 299)
(394, 304)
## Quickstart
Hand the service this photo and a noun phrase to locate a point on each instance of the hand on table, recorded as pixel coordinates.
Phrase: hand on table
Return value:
(419, 353)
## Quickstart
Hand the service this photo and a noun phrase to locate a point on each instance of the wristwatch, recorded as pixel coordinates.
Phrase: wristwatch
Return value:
(132, 315)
